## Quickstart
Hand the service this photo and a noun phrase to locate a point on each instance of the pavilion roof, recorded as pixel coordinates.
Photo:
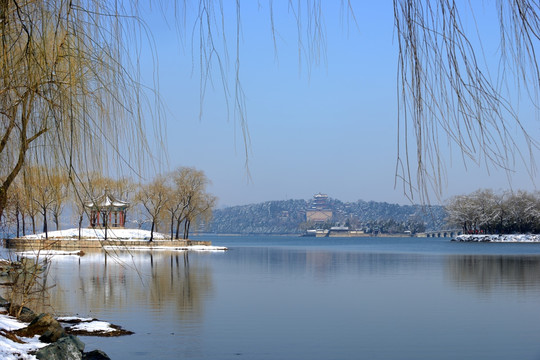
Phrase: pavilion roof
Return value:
(105, 201)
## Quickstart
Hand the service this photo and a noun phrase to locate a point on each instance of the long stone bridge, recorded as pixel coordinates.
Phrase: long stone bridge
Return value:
(441, 233)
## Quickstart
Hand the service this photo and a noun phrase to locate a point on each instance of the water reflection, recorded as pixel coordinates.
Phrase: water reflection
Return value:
(481, 273)
(123, 281)
(488, 273)
(327, 264)
(278, 302)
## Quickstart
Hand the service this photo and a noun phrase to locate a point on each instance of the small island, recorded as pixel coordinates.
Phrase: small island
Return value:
(106, 217)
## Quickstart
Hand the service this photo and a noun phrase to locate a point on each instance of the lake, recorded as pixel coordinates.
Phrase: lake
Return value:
(311, 298)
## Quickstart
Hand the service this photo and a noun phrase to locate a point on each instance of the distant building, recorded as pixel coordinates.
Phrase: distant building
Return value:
(319, 212)
(320, 201)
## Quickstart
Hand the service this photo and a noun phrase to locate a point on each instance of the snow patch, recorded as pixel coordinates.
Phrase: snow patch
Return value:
(11, 350)
(177, 248)
(93, 326)
(34, 253)
(97, 234)
(510, 238)
(73, 319)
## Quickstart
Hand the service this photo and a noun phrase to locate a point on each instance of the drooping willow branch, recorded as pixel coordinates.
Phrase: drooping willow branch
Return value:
(447, 96)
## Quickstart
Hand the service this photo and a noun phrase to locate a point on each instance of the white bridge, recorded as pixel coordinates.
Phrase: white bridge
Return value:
(441, 233)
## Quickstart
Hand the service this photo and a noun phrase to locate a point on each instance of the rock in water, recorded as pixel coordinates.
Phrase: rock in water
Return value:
(44, 325)
(67, 348)
(27, 315)
(96, 355)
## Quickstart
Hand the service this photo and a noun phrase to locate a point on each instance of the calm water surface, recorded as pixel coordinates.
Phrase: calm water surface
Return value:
(311, 298)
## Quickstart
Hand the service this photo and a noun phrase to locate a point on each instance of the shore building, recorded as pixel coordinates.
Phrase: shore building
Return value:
(107, 211)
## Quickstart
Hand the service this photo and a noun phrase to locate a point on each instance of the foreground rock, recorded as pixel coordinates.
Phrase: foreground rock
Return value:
(44, 325)
(62, 346)
(96, 355)
(67, 348)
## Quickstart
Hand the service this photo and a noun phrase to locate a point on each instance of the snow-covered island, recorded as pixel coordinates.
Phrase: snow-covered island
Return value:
(97, 234)
(88, 238)
(507, 238)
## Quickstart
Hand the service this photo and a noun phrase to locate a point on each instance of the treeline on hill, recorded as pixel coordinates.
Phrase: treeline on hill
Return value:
(289, 217)
(171, 202)
(488, 212)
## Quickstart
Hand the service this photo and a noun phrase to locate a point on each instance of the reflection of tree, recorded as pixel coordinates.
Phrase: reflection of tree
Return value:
(489, 272)
(162, 279)
(323, 263)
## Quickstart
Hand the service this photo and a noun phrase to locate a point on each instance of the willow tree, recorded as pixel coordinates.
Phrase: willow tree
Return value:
(450, 95)
(68, 96)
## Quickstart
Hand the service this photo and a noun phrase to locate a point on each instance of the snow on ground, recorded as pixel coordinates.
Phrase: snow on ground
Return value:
(11, 350)
(73, 319)
(93, 327)
(98, 234)
(46, 253)
(498, 238)
(169, 248)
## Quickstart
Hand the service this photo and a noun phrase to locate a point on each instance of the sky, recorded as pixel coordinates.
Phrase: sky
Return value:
(328, 127)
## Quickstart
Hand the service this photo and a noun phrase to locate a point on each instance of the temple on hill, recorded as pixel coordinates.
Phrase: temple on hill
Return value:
(107, 211)
(320, 212)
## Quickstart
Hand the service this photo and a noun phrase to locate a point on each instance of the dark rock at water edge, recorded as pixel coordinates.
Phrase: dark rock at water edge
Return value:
(44, 325)
(62, 346)
(3, 302)
(67, 348)
(27, 315)
(95, 355)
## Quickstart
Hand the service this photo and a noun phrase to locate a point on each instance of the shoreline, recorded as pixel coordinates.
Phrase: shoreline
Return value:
(496, 238)
(94, 238)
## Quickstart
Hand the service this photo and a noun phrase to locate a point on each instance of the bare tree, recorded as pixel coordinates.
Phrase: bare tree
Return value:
(189, 200)
(154, 197)
(60, 187)
(485, 211)
(43, 193)
(199, 211)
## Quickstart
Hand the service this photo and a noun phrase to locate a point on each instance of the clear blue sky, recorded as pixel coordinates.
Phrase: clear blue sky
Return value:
(331, 129)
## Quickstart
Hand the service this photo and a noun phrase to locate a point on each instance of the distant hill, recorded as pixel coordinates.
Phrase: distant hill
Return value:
(289, 217)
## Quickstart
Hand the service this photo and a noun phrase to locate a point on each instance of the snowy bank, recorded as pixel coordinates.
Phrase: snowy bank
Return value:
(48, 253)
(169, 248)
(12, 350)
(91, 327)
(13, 346)
(97, 234)
(95, 239)
(509, 238)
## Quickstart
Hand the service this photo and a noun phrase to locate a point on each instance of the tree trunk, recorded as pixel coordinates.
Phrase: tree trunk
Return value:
(178, 228)
(152, 231)
(57, 221)
(172, 227)
(17, 217)
(3, 199)
(45, 225)
(186, 229)
(80, 225)
(105, 223)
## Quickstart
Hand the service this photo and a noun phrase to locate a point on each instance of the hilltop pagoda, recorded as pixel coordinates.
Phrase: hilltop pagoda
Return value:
(107, 211)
